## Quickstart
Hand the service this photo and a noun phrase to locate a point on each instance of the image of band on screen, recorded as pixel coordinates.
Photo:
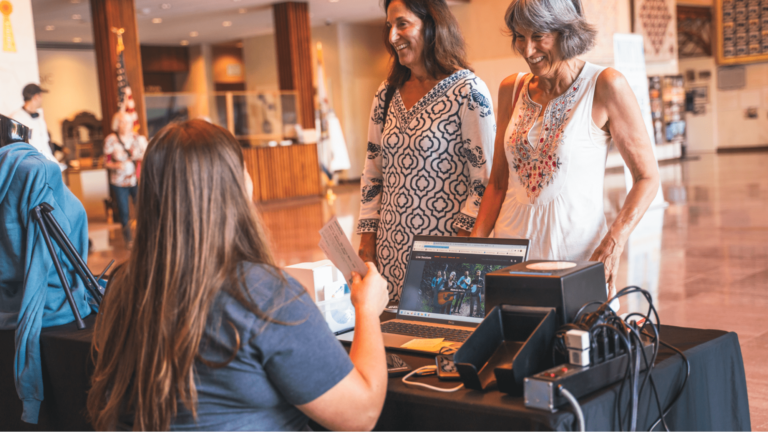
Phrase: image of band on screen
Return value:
(448, 279)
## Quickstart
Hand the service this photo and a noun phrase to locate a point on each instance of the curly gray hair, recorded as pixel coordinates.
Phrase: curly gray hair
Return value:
(565, 17)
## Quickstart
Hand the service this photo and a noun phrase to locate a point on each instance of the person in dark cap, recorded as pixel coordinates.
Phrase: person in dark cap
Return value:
(31, 115)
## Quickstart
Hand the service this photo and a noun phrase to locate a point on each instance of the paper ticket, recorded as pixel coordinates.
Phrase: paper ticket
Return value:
(336, 246)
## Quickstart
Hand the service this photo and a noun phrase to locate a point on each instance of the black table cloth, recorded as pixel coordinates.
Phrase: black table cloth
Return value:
(714, 399)
(67, 368)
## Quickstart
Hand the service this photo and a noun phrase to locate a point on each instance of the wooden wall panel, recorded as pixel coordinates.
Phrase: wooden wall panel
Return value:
(164, 58)
(293, 38)
(107, 14)
(283, 172)
(294, 231)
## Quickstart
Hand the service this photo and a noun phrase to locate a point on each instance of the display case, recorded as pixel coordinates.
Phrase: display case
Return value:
(741, 31)
(673, 109)
(255, 118)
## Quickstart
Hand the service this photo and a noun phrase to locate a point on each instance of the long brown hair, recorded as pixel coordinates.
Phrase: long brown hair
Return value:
(195, 226)
(444, 50)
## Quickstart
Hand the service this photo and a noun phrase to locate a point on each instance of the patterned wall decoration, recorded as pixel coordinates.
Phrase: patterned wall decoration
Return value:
(9, 43)
(742, 31)
(694, 31)
(655, 20)
(18, 53)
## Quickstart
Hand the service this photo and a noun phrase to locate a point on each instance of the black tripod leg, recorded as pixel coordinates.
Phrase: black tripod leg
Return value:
(59, 270)
(69, 250)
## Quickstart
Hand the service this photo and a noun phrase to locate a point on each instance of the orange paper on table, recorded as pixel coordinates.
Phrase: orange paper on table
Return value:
(426, 344)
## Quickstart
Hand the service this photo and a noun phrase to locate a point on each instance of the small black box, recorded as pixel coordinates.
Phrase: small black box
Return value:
(565, 286)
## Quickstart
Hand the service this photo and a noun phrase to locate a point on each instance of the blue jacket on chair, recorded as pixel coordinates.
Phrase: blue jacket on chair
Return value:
(31, 294)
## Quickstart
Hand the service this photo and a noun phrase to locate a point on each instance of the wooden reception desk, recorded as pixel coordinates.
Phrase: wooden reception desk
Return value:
(283, 172)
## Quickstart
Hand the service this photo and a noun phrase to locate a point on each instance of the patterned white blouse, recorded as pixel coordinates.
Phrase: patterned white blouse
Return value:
(556, 172)
(126, 152)
(426, 168)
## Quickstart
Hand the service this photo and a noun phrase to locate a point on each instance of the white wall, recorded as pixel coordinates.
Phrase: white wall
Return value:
(328, 36)
(734, 129)
(260, 58)
(702, 129)
(19, 68)
(364, 65)
(72, 81)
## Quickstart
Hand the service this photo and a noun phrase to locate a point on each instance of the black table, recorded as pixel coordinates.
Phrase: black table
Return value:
(715, 397)
(67, 368)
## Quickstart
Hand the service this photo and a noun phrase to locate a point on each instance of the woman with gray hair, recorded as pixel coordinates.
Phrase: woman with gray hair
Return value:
(556, 124)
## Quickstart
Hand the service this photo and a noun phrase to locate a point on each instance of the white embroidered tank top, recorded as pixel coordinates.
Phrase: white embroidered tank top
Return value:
(556, 173)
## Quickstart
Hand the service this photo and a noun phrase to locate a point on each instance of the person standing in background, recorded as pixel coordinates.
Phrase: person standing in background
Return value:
(438, 282)
(430, 139)
(450, 286)
(477, 291)
(31, 116)
(464, 283)
(122, 150)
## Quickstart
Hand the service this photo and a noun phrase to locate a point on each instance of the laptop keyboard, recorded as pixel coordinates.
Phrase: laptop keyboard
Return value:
(425, 331)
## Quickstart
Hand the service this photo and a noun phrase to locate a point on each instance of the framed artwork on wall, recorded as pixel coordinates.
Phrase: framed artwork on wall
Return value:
(656, 21)
(741, 31)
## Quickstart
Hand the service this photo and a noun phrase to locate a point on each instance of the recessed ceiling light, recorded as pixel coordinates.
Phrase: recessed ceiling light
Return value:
(184, 43)
(193, 34)
(242, 10)
(227, 23)
(77, 40)
(157, 20)
(50, 28)
(236, 1)
(334, 1)
(165, 6)
(77, 17)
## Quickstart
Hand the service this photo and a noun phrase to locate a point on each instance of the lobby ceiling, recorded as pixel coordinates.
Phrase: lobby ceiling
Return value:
(214, 21)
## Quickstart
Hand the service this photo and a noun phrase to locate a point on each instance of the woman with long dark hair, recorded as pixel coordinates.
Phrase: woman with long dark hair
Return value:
(200, 330)
(430, 139)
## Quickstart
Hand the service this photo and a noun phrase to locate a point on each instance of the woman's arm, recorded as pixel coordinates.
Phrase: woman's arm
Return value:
(616, 103)
(372, 181)
(497, 185)
(475, 151)
(355, 403)
(109, 149)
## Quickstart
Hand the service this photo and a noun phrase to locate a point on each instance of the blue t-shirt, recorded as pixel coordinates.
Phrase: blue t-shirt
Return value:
(278, 366)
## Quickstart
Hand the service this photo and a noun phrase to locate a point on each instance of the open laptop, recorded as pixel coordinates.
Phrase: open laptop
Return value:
(443, 294)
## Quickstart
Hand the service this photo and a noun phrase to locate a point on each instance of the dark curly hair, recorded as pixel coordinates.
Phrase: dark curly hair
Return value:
(444, 50)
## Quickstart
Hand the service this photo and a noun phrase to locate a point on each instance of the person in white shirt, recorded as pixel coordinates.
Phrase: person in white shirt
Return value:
(31, 116)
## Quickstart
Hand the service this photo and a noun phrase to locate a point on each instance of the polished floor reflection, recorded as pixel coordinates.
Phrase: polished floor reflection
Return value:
(704, 256)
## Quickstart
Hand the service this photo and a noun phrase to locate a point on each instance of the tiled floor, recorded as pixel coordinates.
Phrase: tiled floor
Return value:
(707, 264)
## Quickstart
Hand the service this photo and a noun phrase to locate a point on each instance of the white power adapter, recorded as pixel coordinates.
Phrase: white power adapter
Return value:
(577, 342)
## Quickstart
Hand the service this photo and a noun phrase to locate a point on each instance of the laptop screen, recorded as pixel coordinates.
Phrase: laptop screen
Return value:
(446, 278)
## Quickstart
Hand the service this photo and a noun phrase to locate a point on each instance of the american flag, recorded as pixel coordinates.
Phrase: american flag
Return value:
(125, 102)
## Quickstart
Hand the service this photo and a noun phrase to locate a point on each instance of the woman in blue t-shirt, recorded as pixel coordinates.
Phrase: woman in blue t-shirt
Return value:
(200, 329)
